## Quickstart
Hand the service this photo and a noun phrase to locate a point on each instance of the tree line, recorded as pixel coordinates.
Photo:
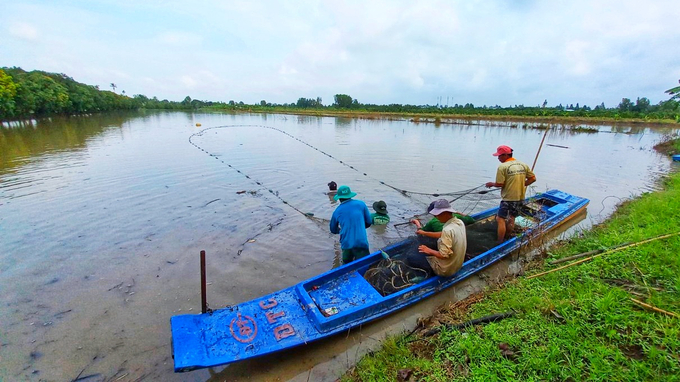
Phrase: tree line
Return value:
(37, 93)
(641, 108)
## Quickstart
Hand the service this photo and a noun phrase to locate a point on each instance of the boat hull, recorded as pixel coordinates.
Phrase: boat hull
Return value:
(335, 301)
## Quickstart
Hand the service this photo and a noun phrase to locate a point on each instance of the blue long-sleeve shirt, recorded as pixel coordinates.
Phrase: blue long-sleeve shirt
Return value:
(350, 219)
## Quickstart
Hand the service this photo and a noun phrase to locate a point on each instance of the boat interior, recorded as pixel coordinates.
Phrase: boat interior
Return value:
(340, 298)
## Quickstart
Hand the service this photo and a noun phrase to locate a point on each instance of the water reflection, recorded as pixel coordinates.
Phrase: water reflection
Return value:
(343, 122)
(20, 142)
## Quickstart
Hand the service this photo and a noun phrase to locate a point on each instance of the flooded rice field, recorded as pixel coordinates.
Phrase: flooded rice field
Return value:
(102, 219)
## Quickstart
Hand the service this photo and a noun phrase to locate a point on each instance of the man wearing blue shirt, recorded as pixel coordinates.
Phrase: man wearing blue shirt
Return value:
(350, 219)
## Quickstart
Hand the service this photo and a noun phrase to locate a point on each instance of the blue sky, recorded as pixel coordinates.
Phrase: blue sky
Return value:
(481, 52)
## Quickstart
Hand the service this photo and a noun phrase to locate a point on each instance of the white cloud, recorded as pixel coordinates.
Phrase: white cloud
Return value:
(188, 82)
(178, 38)
(482, 52)
(24, 31)
(287, 70)
(575, 54)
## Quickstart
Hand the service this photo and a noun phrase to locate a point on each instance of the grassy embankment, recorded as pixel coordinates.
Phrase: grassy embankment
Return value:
(578, 323)
(448, 118)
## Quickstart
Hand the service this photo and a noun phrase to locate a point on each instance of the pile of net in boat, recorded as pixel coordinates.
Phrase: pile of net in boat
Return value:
(392, 274)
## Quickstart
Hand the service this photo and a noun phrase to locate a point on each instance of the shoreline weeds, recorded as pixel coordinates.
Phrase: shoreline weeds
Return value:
(459, 118)
(577, 323)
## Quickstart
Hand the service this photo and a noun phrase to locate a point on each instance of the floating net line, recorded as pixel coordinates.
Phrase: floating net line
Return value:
(467, 199)
(273, 192)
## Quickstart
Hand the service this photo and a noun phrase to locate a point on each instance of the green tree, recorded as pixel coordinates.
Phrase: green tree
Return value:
(675, 92)
(343, 101)
(195, 104)
(625, 105)
(642, 105)
(8, 90)
(39, 94)
(82, 99)
(308, 102)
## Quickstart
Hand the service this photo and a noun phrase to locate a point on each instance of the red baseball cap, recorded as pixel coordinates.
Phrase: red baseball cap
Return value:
(502, 150)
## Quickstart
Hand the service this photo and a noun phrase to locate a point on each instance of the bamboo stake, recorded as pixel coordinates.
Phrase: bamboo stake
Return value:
(604, 253)
(204, 303)
(539, 149)
(584, 254)
(578, 256)
(654, 308)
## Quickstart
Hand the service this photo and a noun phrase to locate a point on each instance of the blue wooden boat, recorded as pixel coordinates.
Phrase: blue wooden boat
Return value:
(676, 157)
(342, 298)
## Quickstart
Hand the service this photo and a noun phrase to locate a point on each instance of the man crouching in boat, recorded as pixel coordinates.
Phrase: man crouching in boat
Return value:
(451, 246)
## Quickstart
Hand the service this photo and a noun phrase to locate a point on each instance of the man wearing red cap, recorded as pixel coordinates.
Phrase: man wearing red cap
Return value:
(512, 177)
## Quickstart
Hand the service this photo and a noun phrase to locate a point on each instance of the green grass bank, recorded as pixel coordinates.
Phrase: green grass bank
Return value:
(446, 117)
(577, 323)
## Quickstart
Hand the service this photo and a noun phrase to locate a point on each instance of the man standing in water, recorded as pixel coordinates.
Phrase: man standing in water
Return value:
(512, 177)
(350, 219)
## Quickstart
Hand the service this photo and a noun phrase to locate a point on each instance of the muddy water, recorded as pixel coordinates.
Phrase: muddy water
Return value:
(327, 360)
(102, 219)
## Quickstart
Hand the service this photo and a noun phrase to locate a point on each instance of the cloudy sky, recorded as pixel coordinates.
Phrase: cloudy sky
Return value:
(493, 52)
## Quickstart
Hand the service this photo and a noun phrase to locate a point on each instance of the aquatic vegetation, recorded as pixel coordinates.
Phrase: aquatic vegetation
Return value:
(584, 129)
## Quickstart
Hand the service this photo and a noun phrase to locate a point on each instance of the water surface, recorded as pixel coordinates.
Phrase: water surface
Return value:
(102, 218)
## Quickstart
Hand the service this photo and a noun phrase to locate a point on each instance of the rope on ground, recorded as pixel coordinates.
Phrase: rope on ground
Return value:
(606, 253)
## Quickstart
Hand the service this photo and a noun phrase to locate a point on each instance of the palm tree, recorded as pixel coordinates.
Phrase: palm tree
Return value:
(675, 92)
(113, 86)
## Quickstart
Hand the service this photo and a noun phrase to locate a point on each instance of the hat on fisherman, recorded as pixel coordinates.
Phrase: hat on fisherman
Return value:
(380, 206)
(430, 207)
(344, 192)
(332, 186)
(502, 149)
(441, 205)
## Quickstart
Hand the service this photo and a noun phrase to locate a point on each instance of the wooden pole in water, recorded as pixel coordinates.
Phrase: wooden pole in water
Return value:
(539, 148)
(204, 304)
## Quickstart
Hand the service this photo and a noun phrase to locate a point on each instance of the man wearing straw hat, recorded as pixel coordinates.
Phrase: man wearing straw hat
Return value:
(448, 258)
(512, 177)
(350, 219)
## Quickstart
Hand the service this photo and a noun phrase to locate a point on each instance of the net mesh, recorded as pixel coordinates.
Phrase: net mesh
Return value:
(393, 274)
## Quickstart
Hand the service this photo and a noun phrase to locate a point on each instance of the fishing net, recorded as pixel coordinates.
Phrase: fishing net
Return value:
(392, 274)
